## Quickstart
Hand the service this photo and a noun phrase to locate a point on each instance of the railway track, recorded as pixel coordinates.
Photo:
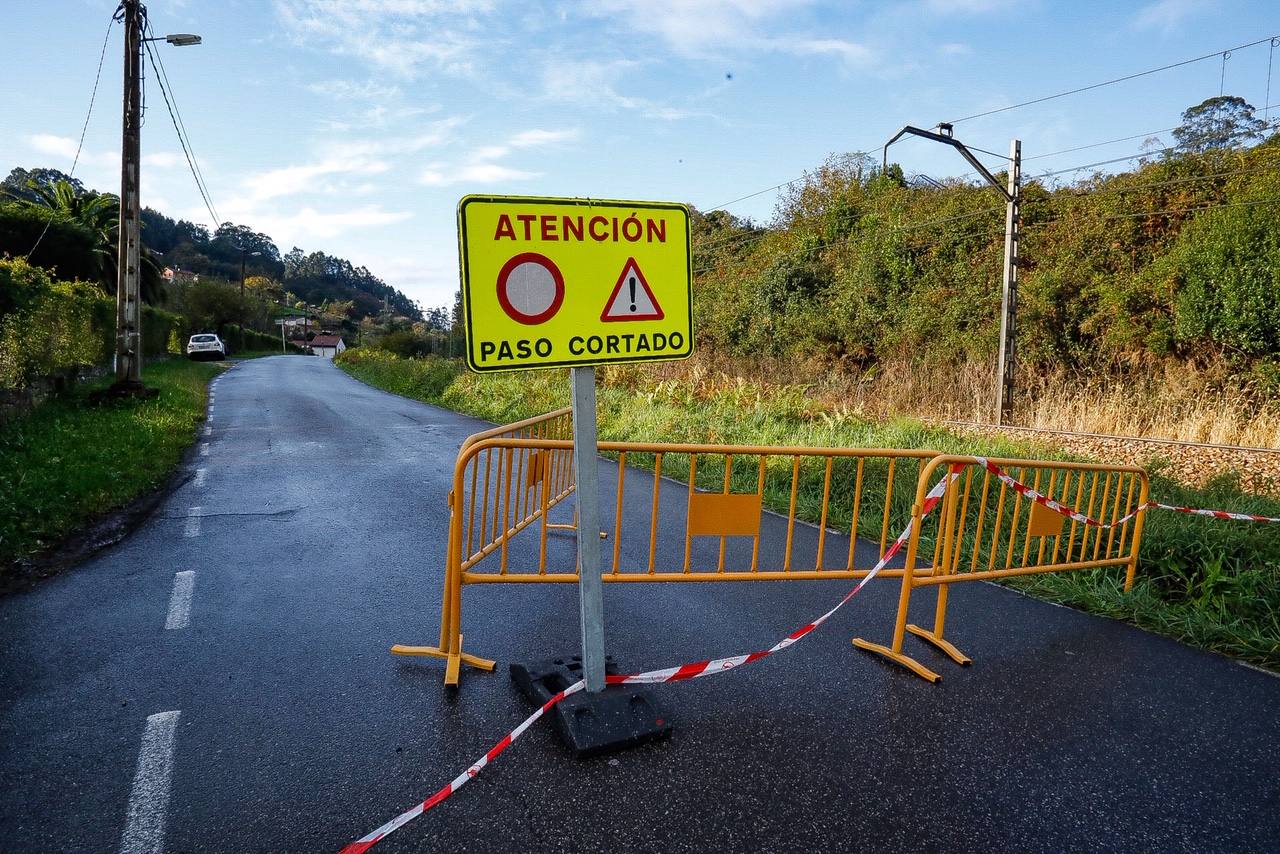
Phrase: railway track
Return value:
(1192, 463)
(1112, 436)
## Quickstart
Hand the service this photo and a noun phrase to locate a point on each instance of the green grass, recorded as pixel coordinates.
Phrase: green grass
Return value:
(1209, 583)
(71, 461)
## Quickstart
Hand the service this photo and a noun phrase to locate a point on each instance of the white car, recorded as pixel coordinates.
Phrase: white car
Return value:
(206, 346)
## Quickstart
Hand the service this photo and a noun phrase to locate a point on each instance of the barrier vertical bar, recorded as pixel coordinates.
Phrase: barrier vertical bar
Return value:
(1144, 496)
(822, 523)
(728, 474)
(590, 586)
(853, 521)
(653, 518)
(791, 513)
(755, 543)
(617, 513)
(688, 537)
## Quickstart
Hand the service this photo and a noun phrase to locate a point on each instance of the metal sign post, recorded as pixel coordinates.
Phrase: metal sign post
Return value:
(590, 587)
(576, 283)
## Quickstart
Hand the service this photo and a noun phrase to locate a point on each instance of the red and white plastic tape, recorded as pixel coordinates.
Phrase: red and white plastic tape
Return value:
(695, 670)
(1071, 513)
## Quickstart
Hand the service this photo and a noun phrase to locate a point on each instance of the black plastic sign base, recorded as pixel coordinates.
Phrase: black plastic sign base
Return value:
(619, 717)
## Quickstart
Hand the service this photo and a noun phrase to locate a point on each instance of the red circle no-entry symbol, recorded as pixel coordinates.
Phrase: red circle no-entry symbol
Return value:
(530, 288)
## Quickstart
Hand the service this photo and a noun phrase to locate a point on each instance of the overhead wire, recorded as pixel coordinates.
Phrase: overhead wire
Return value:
(84, 128)
(1111, 82)
(175, 116)
(851, 241)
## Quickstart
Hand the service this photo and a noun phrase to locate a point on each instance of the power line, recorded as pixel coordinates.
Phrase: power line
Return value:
(1104, 191)
(1112, 81)
(1270, 200)
(163, 80)
(163, 72)
(851, 241)
(93, 96)
(774, 187)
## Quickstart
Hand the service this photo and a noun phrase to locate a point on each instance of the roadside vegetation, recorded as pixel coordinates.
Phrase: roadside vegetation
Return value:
(1209, 583)
(71, 461)
(1146, 298)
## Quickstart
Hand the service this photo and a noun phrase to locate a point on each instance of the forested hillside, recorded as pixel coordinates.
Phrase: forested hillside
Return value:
(70, 244)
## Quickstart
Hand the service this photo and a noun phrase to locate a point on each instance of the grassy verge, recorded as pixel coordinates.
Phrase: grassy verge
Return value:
(1209, 583)
(70, 461)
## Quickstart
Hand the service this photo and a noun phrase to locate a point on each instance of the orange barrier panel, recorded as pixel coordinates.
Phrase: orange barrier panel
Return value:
(979, 534)
(503, 484)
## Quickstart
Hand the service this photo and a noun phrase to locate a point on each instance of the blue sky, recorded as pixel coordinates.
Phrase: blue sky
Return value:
(354, 126)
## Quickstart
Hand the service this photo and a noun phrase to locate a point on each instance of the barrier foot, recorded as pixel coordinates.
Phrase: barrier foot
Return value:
(898, 658)
(453, 662)
(945, 645)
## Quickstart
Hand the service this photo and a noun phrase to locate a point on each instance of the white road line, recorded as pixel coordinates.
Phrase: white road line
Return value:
(192, 528)
(149, 798)
(180, 601)
(204, 449)
(200, 473)
(208, 428)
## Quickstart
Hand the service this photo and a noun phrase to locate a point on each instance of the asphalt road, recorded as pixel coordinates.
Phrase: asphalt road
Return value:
(314, 526)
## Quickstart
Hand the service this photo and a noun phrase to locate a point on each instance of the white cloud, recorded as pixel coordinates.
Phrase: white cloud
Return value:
(307, 224)
(1166, 15)
(955, 49)
(345, 159)
(351, 90)
(968, 7)
(709, 28)
(538, 136)
(475, 173)
(400, 36)
(58, 146)
(480, 168)
(289, 180)
(164, 160)
(699, 28)
(595, 84)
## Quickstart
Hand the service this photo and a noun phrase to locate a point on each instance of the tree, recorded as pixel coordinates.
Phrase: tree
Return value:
(1218, 123)
(22, 183)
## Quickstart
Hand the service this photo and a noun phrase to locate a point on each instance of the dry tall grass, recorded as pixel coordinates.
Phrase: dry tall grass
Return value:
(1174, 401)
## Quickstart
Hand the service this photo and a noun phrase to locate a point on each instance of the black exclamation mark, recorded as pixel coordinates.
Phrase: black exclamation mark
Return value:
(633, 293)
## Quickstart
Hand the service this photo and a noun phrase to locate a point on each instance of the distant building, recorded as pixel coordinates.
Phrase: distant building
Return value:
(327, 346)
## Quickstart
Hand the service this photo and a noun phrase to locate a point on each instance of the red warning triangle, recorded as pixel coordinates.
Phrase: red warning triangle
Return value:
(632, 299)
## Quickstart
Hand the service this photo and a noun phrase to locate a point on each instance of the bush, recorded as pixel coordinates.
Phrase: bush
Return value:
(49, 327)
(55, 325)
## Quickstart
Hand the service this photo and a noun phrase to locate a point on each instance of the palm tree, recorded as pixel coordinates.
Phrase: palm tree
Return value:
(99, 213)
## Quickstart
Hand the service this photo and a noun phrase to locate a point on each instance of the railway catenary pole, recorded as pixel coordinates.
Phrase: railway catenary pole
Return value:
(1012, 221)
(1009, 289)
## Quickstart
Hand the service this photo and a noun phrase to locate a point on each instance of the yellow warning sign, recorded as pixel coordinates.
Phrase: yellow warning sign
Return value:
(554, 282)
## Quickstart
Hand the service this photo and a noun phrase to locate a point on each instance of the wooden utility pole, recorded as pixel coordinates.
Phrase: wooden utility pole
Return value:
(128, 290)
(1009, 292)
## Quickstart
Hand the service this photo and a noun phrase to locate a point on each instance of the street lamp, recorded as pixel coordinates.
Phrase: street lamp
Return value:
(128, 259)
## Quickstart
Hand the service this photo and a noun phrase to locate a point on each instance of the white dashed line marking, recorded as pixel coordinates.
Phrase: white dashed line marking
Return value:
(192, 528)
(208, 428)
(204, 449)
(149, 797)
(200, 473)
(180, 602)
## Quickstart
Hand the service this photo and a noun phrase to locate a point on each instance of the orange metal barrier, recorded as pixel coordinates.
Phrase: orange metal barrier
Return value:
(485, 464)
(502, 484)
(978, 534)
